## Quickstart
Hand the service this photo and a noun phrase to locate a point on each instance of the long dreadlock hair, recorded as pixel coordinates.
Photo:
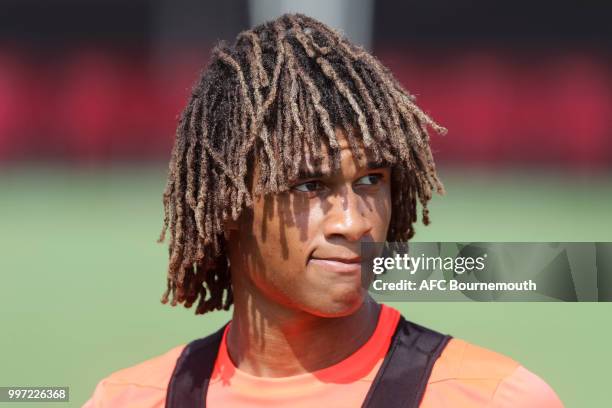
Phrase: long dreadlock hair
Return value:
(281, 88)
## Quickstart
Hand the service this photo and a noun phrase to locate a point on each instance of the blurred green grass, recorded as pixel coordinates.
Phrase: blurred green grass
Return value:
(82, 274)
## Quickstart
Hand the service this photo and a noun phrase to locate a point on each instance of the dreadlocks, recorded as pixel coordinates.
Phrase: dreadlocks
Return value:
(281, 88)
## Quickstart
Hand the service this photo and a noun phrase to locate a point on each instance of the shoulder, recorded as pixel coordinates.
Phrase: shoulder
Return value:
(141, 385)
(525, 389)
(488, 376)
(461, 359)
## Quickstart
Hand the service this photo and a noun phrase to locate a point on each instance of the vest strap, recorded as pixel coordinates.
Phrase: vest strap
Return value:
(189, 382)
(400, 381)
(402, 377)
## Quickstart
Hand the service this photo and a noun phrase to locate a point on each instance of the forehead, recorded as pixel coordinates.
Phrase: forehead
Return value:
(318, 162)
(351, 151)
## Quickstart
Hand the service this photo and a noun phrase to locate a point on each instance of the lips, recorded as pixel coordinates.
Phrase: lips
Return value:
(347, 260)
(337, 264)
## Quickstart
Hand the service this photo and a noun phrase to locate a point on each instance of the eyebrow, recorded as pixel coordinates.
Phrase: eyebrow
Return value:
(308, 174)
(305, 173)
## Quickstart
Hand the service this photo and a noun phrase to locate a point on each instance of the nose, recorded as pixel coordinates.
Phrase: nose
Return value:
(347, 216)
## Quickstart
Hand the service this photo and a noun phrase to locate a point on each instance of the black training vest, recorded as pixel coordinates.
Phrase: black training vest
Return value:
(400, 382)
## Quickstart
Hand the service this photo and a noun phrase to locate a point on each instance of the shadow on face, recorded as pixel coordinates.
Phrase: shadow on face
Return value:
(300, 249)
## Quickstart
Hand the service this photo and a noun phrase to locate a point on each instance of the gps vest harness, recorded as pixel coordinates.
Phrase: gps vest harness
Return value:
(400, 381)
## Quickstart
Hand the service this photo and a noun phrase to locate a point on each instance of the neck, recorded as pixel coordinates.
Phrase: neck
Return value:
(272, 340)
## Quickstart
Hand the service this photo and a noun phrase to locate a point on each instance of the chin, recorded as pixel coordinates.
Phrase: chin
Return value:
(340, 303)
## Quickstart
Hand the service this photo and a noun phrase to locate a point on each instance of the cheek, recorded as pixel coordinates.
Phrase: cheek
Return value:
(379, 206)
(279, 238)
(281, 230)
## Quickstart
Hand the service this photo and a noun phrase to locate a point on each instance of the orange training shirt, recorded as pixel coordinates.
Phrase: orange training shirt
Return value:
(465, 375)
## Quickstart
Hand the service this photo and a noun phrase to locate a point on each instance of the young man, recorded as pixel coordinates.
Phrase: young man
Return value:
(295, 147)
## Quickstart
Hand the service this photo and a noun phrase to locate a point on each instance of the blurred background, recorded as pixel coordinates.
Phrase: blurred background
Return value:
(89, 98)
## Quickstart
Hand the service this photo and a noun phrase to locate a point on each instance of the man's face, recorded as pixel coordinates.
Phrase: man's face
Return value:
(301, 248)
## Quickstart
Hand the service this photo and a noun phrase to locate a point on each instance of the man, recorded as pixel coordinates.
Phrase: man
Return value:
(296, 146)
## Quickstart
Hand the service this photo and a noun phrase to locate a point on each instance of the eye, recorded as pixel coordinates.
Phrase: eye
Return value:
(308, 186)
(371, 179)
